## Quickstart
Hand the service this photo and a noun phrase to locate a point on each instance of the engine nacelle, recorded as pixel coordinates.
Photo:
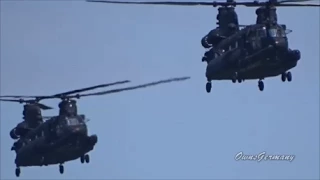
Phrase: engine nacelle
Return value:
(212, 39)
(14, 134)
(205, 43)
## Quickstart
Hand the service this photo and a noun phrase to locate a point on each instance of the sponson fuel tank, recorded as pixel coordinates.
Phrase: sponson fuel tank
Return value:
(225, 62)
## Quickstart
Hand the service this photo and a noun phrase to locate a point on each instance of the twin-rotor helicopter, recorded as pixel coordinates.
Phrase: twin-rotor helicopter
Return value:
(239, 52)
(60, 138)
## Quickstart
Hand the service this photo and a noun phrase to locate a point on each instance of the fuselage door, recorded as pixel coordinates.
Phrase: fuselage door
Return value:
(261, 34)
(252, 41)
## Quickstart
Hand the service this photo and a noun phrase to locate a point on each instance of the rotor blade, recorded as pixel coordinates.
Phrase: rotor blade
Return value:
(283, 3)
(177, 3)
(40, 105)
(47, 117)
(71, 92)
(186, 3)
(293, 1)
(43, 107)
(16, 96)
(11, 100)
(137, 87)
(90, 88)
(298, 5)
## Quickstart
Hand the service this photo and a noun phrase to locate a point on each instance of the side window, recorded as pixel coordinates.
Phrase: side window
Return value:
(233, 46)
(262, 33)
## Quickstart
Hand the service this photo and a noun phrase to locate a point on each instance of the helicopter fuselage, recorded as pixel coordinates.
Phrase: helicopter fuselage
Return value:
(52, 136)
(58, 155)
(249, 49)
(270, 67)
(262, 69)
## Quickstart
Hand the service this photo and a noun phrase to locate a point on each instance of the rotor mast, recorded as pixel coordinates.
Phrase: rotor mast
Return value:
(227, 18)
(267, 14)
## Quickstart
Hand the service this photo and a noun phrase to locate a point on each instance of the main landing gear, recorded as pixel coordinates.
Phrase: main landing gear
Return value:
(286, 76)
(85, 158)
(18, 171)
(260, 85)
(208, 87)
(235, 78)
(61, 168)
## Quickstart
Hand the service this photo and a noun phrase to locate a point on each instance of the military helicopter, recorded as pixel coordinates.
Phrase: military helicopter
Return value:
(257, 51)
(236, 53)
(64, 137)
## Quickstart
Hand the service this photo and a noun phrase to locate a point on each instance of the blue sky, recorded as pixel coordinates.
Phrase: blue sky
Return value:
(172, 131)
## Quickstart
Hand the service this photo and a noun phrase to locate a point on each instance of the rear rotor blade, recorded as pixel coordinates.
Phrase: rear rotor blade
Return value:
(70, 92)
(90, 88)
(156, 3)
(186, 3)
(40, 105)
(293, 1)
(175, 3)
(299, 5)
(136, 87)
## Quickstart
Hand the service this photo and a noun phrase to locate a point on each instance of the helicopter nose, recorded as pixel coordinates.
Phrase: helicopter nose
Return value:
(281, 44)
(295, 55)
(79, 129)
(93, 139)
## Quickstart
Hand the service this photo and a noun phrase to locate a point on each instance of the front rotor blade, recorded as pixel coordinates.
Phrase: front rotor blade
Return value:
(137, 87)
(283, 3)
(293, 1)
(90, 88)
(299, 5)
(71, 92)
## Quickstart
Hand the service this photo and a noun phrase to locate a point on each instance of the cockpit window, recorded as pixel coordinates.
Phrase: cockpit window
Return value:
(277, 32)
(72, 121)
(273, 32)
(283, 33)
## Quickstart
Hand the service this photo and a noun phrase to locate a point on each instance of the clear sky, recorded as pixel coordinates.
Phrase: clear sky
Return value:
(172, 131)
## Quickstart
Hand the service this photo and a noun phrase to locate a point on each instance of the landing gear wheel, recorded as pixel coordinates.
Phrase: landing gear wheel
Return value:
(283, 77)
(61, 169)
(87, 158)
(18, 171)
(289, 76)
(261, 85)
(239, 80)
(208, 87)
(234, 77)
(82, 159)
